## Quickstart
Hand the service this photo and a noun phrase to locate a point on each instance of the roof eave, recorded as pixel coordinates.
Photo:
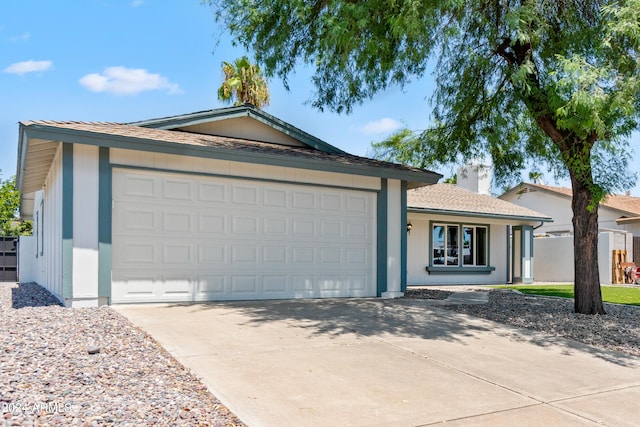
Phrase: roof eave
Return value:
(478, 214)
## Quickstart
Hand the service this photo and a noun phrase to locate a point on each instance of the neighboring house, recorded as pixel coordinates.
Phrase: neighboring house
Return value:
(618, 222)
(457, 236)
(218, 205)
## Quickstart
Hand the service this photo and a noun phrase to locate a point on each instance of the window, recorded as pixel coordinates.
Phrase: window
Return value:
(445, 245)
(459, 245)
(41, 228)
(474, 245)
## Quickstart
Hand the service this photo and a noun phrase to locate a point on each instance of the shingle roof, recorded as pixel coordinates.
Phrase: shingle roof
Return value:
(125, 135)
(627, 204)
(449, 198)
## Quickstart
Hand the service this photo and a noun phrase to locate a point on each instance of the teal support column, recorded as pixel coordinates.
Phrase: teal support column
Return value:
(381, 271)
(67, 221)
(105, 198)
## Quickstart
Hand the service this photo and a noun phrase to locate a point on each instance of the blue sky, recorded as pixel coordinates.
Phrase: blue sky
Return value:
(128, 60)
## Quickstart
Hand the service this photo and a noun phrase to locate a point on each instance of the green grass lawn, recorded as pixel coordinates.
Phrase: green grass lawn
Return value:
(613, 294)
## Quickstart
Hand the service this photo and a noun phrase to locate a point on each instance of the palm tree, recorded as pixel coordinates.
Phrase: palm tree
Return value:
(243, 83)
(535, 176)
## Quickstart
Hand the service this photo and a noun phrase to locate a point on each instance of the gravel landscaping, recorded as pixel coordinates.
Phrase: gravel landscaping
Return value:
(91, 367)
(618, 330)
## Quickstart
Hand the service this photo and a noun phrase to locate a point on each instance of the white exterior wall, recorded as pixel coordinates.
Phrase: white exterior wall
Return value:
(47, 250)
(394, 249)
(85, 225)
(475, 177)
(418, 241)
(554, 257)
(633, 228)
(27, 259)
(553, 206)
(559, 208)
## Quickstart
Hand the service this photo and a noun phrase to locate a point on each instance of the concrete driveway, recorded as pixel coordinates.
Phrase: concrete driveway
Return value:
(373, 362)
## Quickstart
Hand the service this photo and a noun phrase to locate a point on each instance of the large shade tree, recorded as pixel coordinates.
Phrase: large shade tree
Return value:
(243, 83)
(516, 80)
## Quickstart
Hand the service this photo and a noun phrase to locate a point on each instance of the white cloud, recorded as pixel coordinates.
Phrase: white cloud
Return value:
(30, 66)
(381, 126)
(127, 81)
(21, 38)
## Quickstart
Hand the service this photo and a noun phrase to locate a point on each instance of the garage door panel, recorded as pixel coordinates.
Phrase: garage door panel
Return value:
(134, 253)
(275, 198)
(137, 187)
(137, 219)
(304, 200)
(177, 189)
(210, 223)
(177, 253)
(212, 193)
(198, 238)
(211, 287)
(210, 253)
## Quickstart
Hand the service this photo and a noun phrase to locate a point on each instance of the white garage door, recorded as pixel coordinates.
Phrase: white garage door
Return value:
(195, 238)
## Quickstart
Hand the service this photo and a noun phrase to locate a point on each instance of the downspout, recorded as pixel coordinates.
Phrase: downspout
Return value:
(538, 226)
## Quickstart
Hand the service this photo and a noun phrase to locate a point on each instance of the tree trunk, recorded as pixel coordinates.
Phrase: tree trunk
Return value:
(588, 298)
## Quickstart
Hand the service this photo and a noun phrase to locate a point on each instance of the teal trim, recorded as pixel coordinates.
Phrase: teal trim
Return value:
(459, 270)
(478, 214)
(403, 236)
(373, 168)
(509, 253)
(246, 178)
(22, 153)
(381, 250)
(105, 190)
(67, 221)
(246, 110)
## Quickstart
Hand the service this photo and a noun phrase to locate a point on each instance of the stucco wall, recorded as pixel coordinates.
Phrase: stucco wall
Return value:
(554, 257)
(26, 259)
(85, 224)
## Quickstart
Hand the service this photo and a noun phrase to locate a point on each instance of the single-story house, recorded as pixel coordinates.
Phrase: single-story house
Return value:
(618, 223)
(458, 236)
(226, 204)
(236, 204)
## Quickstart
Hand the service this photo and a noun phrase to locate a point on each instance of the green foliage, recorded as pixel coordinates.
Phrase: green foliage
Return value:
(10, 223)
(243, 83)
(612, 294)
(523, 82)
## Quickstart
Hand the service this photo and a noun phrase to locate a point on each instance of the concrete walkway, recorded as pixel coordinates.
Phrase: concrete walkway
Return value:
(372, 362)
